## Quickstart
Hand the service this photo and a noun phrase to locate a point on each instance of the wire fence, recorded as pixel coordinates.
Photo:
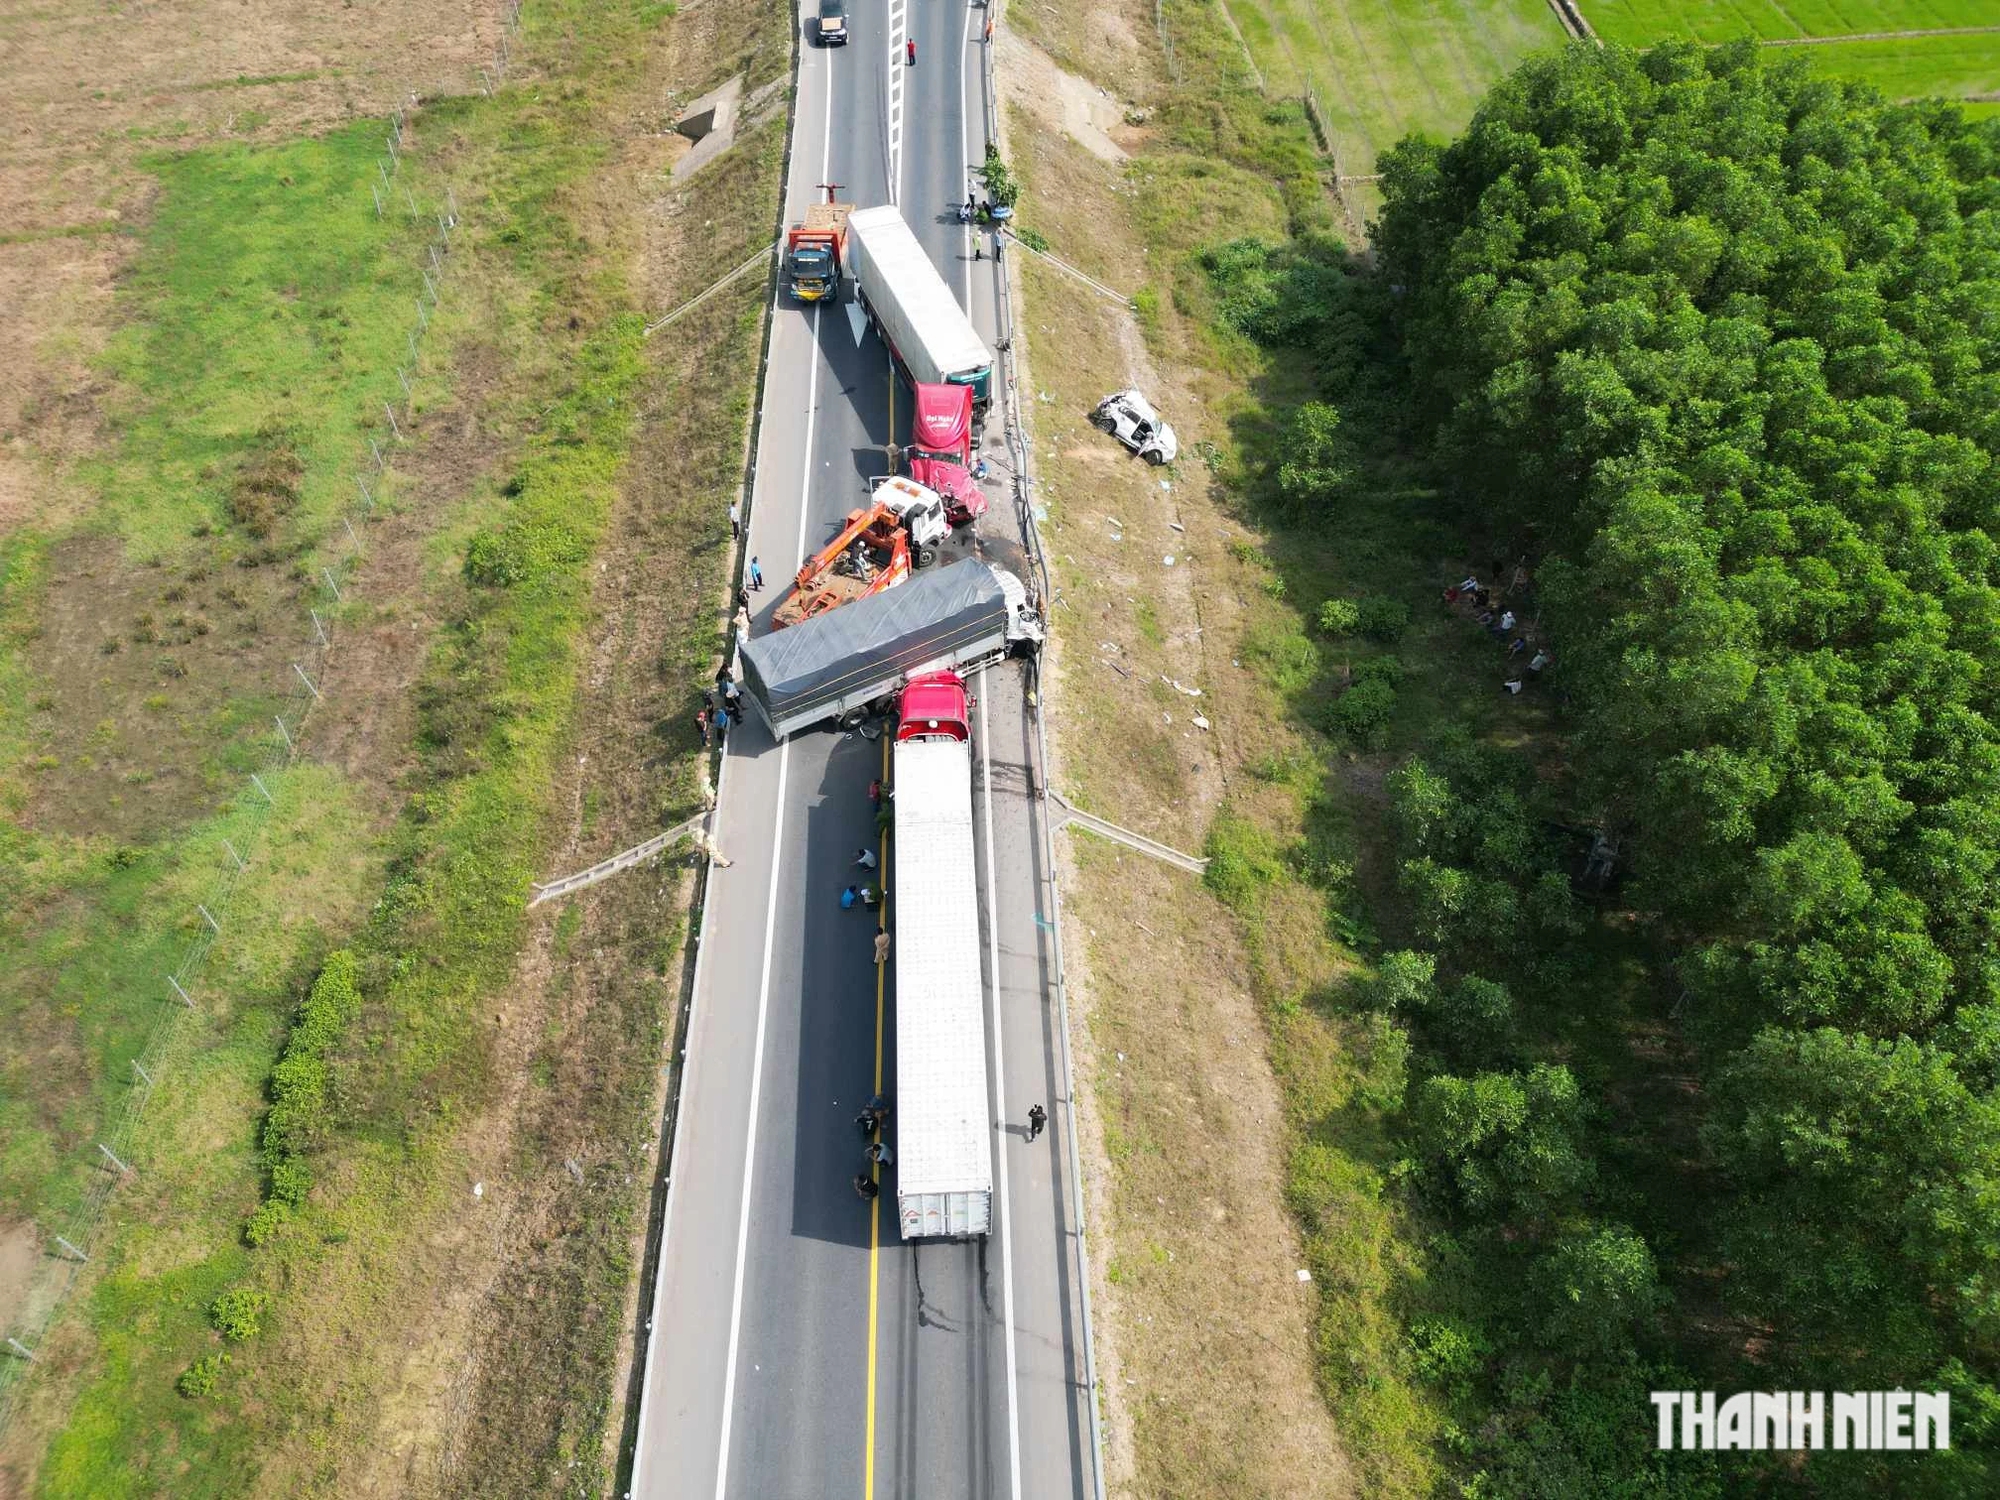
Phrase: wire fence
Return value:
(70, 1236)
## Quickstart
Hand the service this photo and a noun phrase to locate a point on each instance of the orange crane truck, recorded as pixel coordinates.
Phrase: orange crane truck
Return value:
(871, 552)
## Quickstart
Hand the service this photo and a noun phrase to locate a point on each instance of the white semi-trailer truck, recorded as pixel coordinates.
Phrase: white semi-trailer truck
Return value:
(944, 1161)
(933, 341)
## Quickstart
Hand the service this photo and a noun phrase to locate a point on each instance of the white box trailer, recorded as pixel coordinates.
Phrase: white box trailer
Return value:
(926, 330)
(944, 1162)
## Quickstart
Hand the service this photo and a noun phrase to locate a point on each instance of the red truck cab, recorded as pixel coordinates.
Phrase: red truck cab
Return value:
(941, 450)
(934, 707)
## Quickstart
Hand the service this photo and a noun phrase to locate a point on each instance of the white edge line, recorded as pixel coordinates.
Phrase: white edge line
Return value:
(750, 1135)
(1006, 1215)
(771, 896)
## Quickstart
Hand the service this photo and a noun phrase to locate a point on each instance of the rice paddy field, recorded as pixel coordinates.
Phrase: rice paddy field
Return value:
(1380, 69)
(1907, 48)
(1383, 68)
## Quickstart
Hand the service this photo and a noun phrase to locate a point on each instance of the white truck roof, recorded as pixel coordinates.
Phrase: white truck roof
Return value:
(886, 256)
(941, 1106)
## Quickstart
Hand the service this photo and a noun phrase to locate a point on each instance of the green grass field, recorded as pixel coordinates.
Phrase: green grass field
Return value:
(1383, 68)
(265, 308)
(1964, 65)
(1639, 22)
(277, 308)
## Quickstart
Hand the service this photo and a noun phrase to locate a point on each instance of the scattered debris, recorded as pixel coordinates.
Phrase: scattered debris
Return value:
(1200, 723)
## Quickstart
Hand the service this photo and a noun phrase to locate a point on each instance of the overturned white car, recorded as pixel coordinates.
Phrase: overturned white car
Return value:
(1129, 417)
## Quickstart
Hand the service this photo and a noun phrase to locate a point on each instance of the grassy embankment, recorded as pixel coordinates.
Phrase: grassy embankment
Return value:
(147, 649)
(1207, 1052)
(1287, 800)
(537, 311)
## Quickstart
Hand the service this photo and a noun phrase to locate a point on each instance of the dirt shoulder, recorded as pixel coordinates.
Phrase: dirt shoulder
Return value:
(1205, 1329)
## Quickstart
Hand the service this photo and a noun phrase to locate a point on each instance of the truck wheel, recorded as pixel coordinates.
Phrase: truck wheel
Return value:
(854, 718)
(923, 557)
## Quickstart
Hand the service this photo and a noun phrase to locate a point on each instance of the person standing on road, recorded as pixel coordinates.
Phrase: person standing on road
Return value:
(881, 946)
(910, 52)
(756, 574)
(1037, 1118)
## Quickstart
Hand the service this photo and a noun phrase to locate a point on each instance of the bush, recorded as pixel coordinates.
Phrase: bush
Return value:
(1379, 669)
(199, 1378)
(266, 487)
(1339, 617)
(1382, 619)
(237, 1313)
(267, 1221)
(290, 1182)
(1000, 184)
(1241, 861)
(1316, 462)
(299, 1088)
(1034, 239)
(1363, 710)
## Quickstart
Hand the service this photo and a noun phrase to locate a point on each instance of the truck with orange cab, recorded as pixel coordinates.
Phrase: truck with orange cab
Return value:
(815, 249)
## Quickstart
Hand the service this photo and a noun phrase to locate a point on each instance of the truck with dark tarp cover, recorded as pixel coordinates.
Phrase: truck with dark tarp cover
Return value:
(839, 667)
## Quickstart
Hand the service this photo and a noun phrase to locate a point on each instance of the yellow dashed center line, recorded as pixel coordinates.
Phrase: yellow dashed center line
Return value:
(875, 1203)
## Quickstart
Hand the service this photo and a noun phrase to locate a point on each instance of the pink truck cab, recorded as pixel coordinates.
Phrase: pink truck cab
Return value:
(934, 707)
(941, 450)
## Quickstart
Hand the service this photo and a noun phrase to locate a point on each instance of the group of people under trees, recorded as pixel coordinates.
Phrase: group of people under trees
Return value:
(1493, 610)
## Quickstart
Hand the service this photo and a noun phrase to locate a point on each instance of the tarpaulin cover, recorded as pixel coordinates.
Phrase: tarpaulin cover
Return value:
(825, 665)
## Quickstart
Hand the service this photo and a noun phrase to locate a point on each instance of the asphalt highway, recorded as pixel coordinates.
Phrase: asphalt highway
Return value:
(798, 1348)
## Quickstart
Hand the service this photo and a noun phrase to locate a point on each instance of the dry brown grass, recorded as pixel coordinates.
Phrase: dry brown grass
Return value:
(1206, 1333)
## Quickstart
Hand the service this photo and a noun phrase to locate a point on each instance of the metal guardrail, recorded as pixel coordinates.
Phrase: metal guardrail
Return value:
(1166, 854)
(1024, 484)
(624, 859)
(711, 289)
